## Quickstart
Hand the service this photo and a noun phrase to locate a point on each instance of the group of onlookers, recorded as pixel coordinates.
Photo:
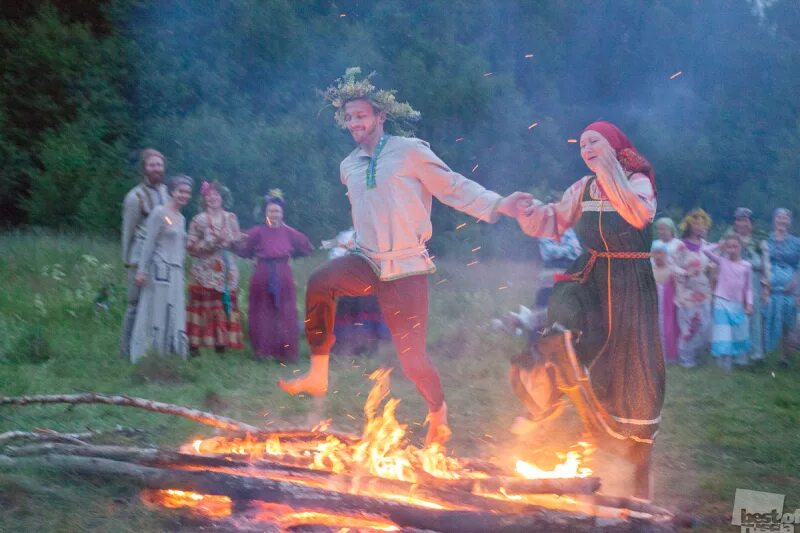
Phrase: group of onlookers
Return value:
(154, 245)
(737, 296)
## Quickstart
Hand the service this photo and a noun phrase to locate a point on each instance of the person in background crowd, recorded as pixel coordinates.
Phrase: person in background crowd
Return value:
(733, 301)
(272, 311)
(359, 325)
(780, 314)
(693, 294)
(664, 273)
(213, 310)
(136, 208)
(160, 325)
(754, 251)
(667, 234)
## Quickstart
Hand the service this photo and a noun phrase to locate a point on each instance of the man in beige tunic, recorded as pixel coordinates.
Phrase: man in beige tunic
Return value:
(391, 182)
(137, 206)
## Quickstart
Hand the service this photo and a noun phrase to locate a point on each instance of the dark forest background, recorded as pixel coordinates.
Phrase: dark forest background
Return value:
(229, 91)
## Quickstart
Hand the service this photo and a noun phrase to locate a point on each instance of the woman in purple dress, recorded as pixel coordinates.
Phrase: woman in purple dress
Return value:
(272, 313)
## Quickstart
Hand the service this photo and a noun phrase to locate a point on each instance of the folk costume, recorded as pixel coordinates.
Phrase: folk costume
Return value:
(160, 325)
(730, 334)
(391, 193)
(136, 209)
(780, 314)
(603, 349)
(213, 309)
(755, 252)
(693, 294)
(272, 304)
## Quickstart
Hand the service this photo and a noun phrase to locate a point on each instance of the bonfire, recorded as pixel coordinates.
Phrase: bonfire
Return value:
(252, 480)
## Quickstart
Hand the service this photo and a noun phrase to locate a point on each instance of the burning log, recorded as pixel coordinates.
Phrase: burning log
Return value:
(202, 417)
(450, 492)
(305, 497)
(574, 485)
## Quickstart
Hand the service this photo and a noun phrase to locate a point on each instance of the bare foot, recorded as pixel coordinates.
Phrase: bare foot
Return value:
(438, 430)
(313, 385)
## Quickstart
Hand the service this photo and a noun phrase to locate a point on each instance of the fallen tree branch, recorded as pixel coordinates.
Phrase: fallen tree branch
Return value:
(305, 497)
(74, 438)
(49, 435)
(202, 417)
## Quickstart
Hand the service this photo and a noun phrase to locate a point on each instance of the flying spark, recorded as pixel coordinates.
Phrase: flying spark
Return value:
(441, 281)
(476, 248)
(341, 15)
(167, 220)
(475, 167)
(462, 225)
(533, 125)
(502, 287)
(676, 75)
(487, 74)
(459, 139)
(472, 263)
(528, 56)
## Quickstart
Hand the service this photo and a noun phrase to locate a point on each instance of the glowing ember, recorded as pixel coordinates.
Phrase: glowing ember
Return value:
(676, 75)
(205, 504)
(572, 140)
(533, 125)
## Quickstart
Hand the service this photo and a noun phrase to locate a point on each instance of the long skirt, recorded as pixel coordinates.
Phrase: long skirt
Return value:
(160, 325)
(730, 334)
(756, 323)
(272, 313)
(780, 316)
(694, 323)
(668, 321)
(208, 324)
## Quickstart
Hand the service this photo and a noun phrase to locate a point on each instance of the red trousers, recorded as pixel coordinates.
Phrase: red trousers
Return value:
(403, 303)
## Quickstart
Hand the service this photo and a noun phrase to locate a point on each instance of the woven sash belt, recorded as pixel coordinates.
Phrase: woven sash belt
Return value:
(594, 255)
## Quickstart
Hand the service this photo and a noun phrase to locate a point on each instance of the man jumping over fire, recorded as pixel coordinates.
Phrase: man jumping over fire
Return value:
(390, 182)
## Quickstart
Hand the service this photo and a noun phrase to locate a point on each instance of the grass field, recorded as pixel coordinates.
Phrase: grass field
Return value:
(720, 432)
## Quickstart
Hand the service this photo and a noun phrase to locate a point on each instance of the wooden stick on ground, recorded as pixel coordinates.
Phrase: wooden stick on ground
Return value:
(203, 417)
(305, 497)
(49, 435)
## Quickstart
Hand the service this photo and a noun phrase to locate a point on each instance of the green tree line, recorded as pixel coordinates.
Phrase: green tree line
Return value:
(229, 90)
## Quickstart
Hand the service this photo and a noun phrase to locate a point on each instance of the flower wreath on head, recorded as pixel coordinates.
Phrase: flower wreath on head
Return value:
(348, 88)
(224, 192)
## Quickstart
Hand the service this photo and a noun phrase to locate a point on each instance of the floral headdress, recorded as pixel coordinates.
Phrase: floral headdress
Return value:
(348, 88)
(224, 192)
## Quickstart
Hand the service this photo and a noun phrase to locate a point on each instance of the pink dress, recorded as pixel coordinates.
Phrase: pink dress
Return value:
(667, 317)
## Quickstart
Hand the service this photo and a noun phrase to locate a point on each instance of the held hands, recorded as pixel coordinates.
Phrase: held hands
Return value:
(140, 279)
(515, 204)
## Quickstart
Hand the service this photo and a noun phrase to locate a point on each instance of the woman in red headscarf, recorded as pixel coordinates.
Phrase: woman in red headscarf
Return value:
(603, 350)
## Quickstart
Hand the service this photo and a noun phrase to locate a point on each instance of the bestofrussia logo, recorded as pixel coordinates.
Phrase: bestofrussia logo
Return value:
(755, 511)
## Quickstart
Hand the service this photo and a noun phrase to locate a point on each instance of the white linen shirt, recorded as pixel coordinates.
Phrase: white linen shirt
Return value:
(393, 220)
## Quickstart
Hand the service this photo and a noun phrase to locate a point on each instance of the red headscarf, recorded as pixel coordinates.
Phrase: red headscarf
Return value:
(627, 155)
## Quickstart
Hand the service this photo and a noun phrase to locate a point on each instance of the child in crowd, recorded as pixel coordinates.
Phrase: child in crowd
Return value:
(733, 302)
(665, 284)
